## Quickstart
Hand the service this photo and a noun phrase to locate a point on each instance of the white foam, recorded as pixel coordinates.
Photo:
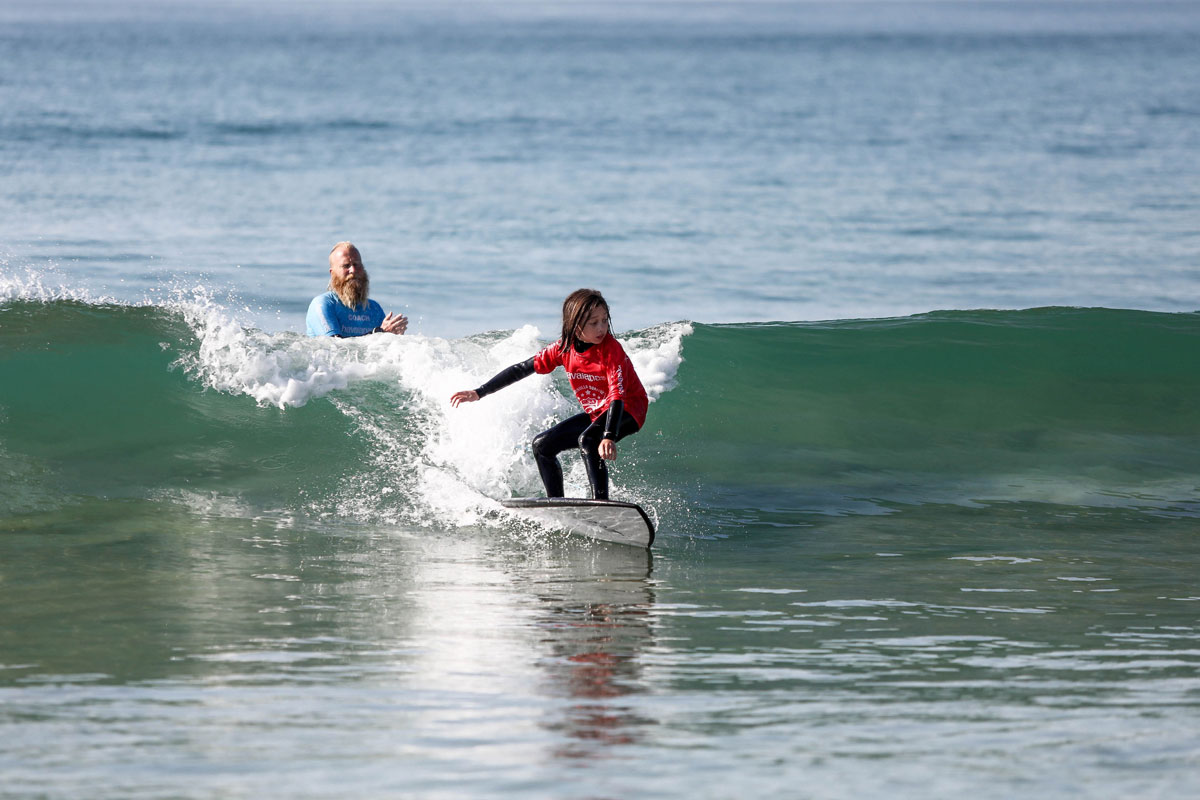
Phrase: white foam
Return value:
(450, 463)
(656, 354)
(484, 445)
(39, 285)
(281, 370)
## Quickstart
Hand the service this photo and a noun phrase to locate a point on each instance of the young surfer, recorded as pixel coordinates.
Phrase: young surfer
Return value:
(603, 380)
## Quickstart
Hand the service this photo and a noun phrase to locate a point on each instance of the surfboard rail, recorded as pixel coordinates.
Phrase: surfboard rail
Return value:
(605, 520)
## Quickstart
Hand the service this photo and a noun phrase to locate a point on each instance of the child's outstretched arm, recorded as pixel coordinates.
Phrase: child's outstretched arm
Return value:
(506, 377)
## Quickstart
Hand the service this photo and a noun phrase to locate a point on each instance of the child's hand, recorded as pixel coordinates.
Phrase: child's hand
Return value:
(608, 450)
(469, 396)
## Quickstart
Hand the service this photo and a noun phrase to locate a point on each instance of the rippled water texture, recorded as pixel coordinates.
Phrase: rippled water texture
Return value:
(924, 550)
(991, 650)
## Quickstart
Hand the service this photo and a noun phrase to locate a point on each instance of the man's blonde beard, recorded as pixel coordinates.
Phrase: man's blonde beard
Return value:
(351, 292)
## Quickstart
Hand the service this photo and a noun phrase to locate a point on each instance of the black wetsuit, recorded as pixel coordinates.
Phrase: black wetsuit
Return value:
(577, 431)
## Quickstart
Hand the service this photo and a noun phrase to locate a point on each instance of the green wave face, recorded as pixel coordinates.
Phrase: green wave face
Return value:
(1077, 406)
(95, 402)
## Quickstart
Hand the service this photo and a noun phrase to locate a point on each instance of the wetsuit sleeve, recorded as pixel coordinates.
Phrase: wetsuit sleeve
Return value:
(506, 377)
(612, 420)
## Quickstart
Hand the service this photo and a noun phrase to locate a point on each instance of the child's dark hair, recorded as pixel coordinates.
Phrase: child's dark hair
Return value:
(578, 306)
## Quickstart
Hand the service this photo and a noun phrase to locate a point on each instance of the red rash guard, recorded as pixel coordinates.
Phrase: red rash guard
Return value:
(599, 375)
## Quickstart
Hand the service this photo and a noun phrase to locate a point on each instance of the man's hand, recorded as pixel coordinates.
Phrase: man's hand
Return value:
(394, 323)
(608, 449)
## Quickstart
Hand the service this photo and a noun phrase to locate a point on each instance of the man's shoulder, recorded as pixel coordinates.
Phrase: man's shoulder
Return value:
(328, 298)
(322, 318)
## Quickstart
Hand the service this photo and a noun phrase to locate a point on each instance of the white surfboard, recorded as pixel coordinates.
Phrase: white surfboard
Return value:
(606, 520)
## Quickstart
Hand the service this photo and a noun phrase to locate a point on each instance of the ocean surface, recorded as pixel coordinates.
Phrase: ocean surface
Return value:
(912, 286)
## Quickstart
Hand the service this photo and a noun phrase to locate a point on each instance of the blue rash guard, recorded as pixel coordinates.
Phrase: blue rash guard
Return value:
(329, 316)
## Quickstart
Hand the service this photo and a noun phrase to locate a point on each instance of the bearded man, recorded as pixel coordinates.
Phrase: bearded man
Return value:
(346, 310)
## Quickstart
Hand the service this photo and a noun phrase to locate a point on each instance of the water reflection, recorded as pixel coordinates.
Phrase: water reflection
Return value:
(523, 649)
(597, 623)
